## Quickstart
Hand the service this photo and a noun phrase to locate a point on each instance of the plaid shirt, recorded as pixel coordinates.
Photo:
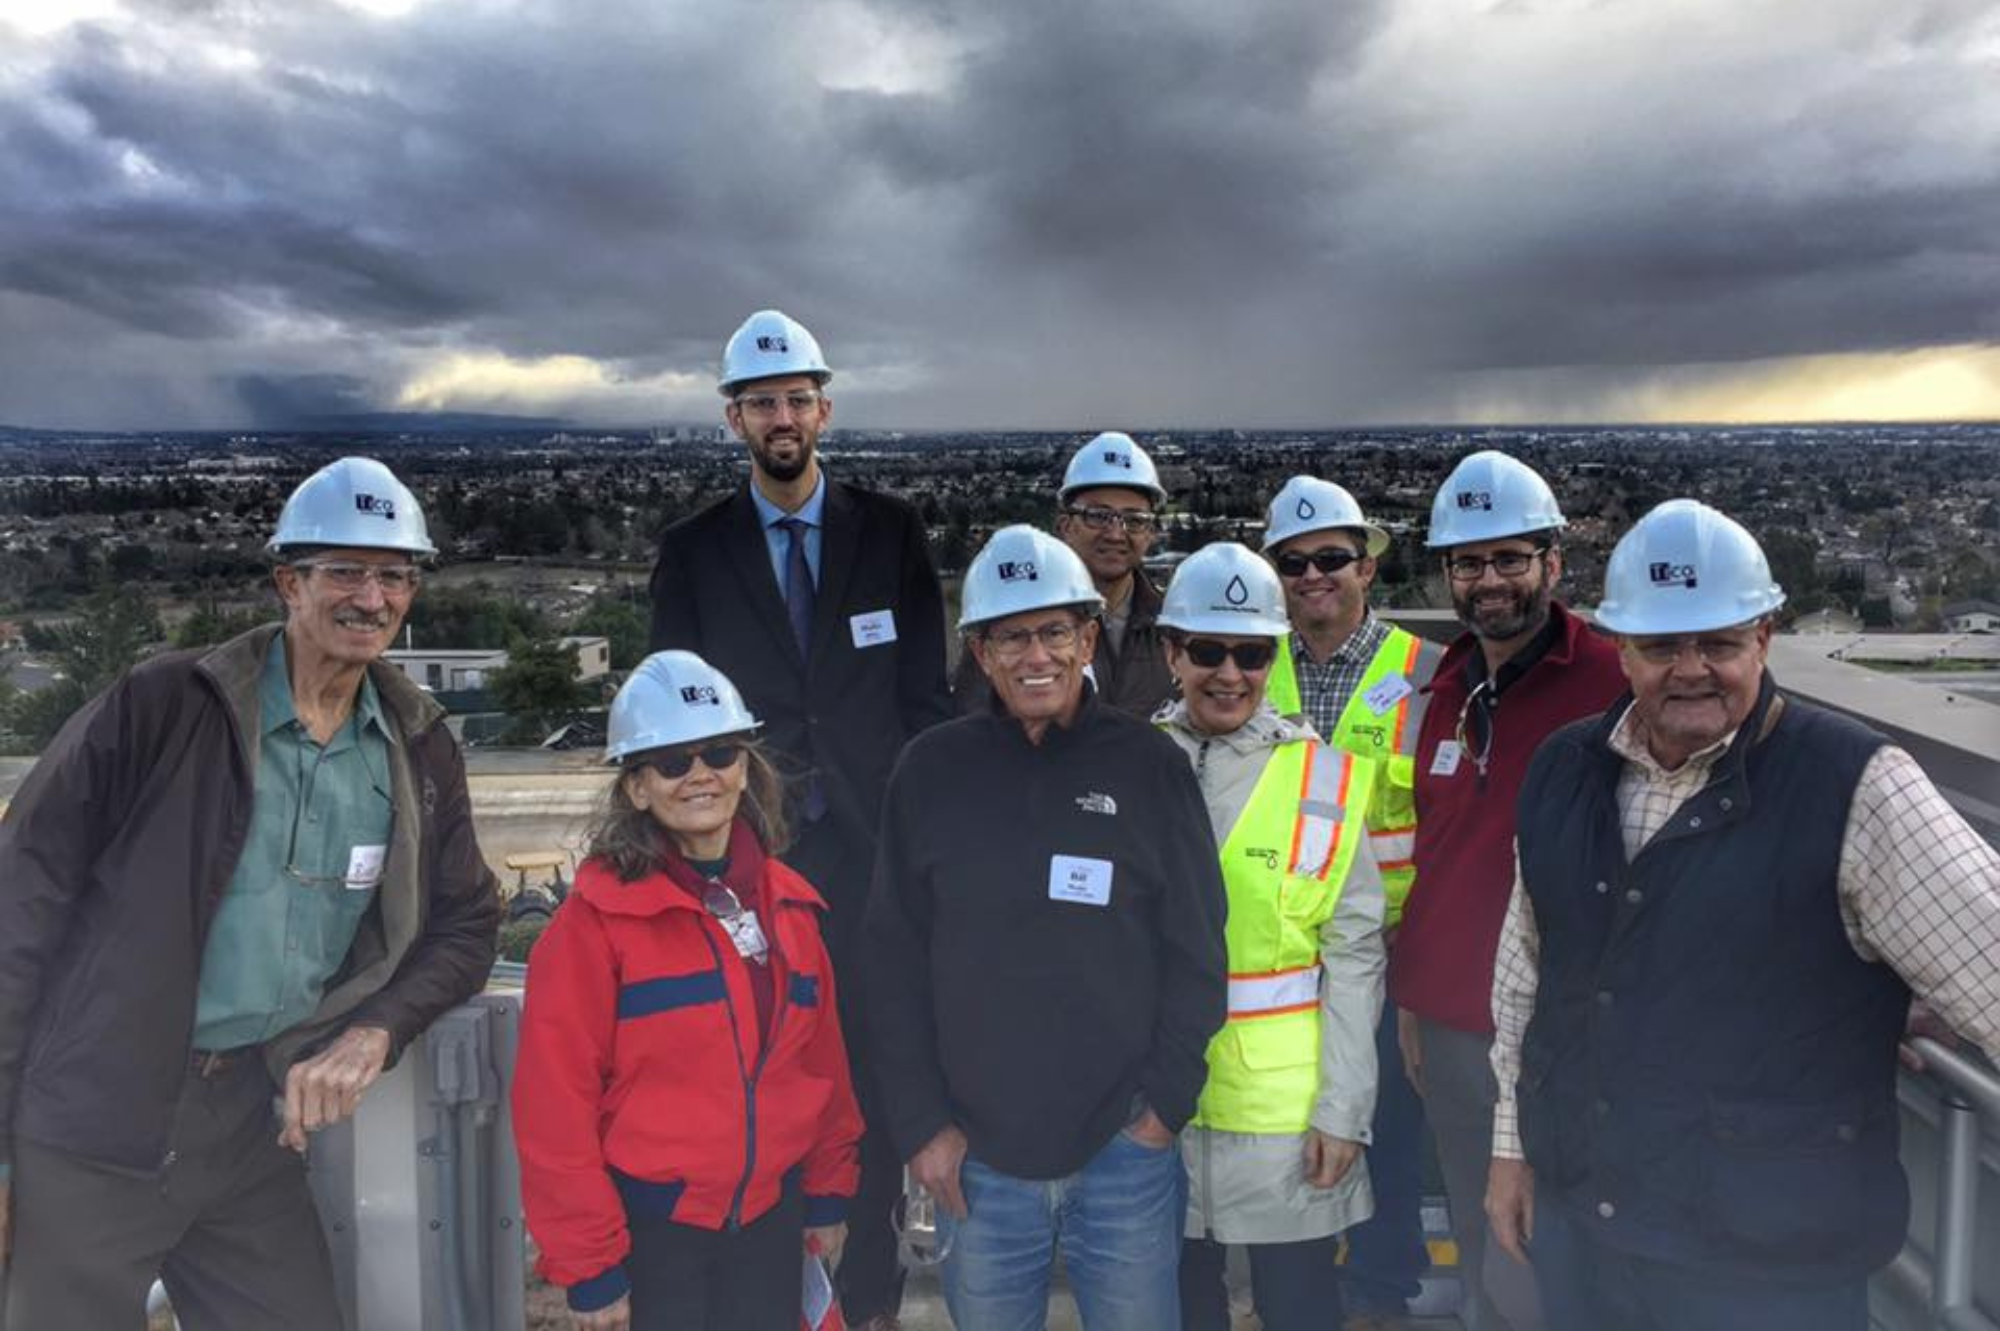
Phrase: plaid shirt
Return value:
(1324, 690)
(1919, 890)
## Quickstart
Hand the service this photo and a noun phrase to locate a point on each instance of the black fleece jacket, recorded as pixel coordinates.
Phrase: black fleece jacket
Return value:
(1036, 1024)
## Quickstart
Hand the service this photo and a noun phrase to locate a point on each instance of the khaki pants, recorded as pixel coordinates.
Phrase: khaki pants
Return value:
(229, 1225)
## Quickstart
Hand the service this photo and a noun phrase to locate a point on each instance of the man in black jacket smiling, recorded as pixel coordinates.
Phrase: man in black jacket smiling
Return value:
(1047, 965)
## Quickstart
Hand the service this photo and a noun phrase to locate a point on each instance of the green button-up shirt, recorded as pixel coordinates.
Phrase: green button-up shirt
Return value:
(319, 832)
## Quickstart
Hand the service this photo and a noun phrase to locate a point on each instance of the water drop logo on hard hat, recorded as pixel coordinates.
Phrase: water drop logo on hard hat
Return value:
(700, 695)
(1664, 574)
(376, 505)
(1017, 570)
(1236, 593)
(1305, 510)
(1479, 499)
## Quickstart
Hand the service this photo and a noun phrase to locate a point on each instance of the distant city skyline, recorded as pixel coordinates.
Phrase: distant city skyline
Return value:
(1038, 215)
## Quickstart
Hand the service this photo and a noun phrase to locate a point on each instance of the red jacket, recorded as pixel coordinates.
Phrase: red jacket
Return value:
(644, 1085)
(1441, 967)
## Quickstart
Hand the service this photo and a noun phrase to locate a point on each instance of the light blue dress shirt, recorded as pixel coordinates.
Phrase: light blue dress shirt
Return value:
(810, 513)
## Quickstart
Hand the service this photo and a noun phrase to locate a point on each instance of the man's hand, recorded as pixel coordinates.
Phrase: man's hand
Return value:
(1149, 1130)
(6, 1220)
(612, 1317)
(1328, 1158)
(1412, 1046)
(1923, 1021)
(326, 1088)
(1510, 1205)
(825, 1242)
(936, 1167)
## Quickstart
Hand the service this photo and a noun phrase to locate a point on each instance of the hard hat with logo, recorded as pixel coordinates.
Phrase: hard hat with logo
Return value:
(353, 503)
(673, 698)
(1685, 568)
(1022, 568)
(1229, 589)
(1112, 459)
(769, 344)
(1489, 496)
(1309, 504)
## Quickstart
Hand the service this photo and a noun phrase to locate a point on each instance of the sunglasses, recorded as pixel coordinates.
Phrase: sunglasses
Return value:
(1332, 559)
(677, 764)
(1210, 654)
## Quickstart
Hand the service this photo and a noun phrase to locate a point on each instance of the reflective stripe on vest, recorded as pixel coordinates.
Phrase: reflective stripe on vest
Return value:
(1391, 738)
(1264, 1063)
(1276, 991)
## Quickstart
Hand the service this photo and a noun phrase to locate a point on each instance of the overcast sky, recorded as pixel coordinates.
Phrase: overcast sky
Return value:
(1027, 213)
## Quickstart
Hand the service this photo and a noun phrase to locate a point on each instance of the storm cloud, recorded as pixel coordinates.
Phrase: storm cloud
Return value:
(1035, 214)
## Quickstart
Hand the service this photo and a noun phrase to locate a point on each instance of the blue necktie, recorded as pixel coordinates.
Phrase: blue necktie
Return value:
(800, 594)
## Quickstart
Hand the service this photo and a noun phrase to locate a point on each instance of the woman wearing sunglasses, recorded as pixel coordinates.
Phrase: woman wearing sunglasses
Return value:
(682, 1105)
(1273, 1152)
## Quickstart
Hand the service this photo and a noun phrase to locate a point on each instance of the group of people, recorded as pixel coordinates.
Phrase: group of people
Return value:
(1166, 925)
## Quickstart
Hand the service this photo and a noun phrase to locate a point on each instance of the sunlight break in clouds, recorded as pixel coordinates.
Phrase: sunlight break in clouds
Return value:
(564, 384)
(1932, 384)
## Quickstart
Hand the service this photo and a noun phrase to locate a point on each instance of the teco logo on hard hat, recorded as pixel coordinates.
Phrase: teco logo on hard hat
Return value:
(1664, 574)
(1479, 499)
(773, 342)
(376, 504)
(1018, 570)
(700, 695)
(1113, 458)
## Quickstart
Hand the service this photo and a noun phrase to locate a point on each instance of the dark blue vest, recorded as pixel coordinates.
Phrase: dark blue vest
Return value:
(1709, 1077)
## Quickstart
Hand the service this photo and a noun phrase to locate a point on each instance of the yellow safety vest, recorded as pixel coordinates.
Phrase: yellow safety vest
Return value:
(1389, 736)
(1284, 864)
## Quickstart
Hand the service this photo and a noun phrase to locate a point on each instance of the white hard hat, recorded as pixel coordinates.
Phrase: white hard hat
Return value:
(1309, 504)
(1229, 589)
(1489, 496)
(770, 343)
(1685, 568)
(673, 698)
(357, 503)
(1111, 459)
(1022, 568)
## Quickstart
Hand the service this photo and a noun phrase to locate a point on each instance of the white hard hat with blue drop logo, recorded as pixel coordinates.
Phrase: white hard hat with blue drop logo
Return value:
(1229, 589)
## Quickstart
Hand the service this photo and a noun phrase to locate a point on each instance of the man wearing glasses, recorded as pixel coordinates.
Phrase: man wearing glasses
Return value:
(1360, 682)
(1046, 966)
(1108, 512)
(1726, 899)
(819, 599)
(1524, 667)
(232, 891)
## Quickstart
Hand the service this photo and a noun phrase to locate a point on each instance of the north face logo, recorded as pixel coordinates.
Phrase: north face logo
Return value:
(1665, 574)
(1018, 570)
(1479, 499)
(772, 342)
(376, 506)
(700, 695)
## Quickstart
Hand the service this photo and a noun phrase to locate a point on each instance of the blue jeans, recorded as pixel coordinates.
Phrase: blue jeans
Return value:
(1386, 1254)
(1117, 1224)
(1586, 1286)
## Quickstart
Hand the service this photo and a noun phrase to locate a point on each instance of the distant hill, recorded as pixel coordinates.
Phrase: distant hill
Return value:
(423, 422)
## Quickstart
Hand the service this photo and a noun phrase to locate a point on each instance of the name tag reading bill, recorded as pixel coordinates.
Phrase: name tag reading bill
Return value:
(364, 867)
(1085, 882)
(1448, 755)
(1388, 691)
(873, 629)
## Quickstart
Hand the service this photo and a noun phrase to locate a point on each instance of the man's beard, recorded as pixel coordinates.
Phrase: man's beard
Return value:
(784, 469)
(1523, 612)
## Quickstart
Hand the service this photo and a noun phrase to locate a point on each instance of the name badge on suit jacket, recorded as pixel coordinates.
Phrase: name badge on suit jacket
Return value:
(874, 629)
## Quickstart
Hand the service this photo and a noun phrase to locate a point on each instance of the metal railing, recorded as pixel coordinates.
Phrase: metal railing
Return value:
(1938, 1289)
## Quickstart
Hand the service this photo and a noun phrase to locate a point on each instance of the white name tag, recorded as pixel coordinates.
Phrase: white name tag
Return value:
(1086, 882)
(1447, 758)
(1388, 691)
(364, 867)
(874, 628)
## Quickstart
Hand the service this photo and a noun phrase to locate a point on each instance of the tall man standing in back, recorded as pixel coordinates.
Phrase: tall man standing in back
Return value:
(1360, 681)
(1108, 511)
(1524, 667)
(233, 890)
(818, 598)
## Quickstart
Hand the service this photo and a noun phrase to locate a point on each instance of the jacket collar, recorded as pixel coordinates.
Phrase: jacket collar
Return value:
(658, 893)
(1265, 729)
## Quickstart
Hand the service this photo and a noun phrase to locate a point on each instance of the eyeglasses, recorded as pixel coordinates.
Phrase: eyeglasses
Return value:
(1508, 564)
(1711, 651)
(306, 783)
(1210, 654)
(677, 763)
(393, 579)
(1011, 645)
(801, 401)
(1330, 559)
(1476, 715)
(727, 908)
(1134, 520)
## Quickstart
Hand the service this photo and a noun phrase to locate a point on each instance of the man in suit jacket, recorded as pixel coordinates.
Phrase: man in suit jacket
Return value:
(818, 598)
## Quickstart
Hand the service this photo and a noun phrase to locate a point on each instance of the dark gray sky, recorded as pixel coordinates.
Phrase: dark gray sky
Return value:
(1036, 214)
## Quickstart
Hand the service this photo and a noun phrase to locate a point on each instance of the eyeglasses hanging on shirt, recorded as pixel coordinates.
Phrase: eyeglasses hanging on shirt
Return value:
(740, 924)
(1475, 724)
